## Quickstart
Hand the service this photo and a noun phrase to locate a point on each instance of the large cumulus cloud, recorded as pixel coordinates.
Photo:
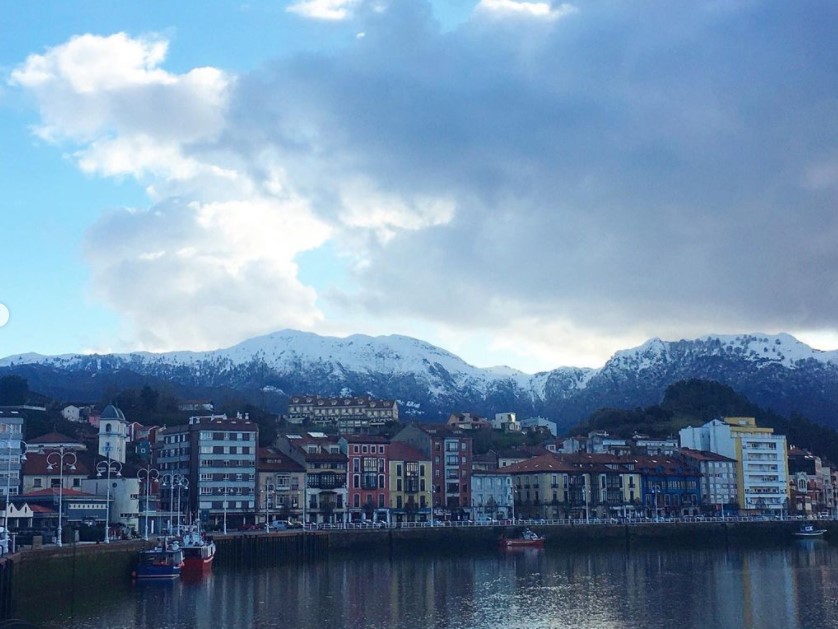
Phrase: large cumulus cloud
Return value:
(598, 170)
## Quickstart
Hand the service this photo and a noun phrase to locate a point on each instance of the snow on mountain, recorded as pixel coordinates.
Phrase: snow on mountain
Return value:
(430, 382)
(781, 349)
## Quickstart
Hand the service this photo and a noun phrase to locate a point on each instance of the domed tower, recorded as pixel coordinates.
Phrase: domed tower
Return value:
(113, 434)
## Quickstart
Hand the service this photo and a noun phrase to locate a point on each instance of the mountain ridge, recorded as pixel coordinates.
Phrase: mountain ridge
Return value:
(430, 382)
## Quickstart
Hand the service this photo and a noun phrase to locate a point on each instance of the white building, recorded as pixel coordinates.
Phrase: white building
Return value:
(124, 497)
(761, 456)
(491, 495)
(113, 434)
(506, 422)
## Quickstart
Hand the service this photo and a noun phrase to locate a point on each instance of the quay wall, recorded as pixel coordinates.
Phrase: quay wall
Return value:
(63, 575)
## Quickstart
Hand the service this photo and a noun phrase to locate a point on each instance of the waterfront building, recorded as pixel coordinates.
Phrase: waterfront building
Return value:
(11, 433)
(670, 486)
(546, 486)
(614, 484)
(78, 508)
(124, 507)
(761, 459)
(325, 468)
(367, 475)
(349, 414)
(208, 469)
(410, 484)
(491, 496)
(39, 473)
(717, 475)
(450, 452)
(281, 483)
(810, 484)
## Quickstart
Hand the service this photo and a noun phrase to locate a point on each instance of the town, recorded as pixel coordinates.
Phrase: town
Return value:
(349, 462)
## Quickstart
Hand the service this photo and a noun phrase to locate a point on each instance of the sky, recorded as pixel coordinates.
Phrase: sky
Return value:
(523, 183)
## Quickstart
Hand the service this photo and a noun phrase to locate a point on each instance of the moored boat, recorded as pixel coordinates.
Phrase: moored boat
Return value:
(198, 552)
(161, 563)
(809, 530)
(527, 539)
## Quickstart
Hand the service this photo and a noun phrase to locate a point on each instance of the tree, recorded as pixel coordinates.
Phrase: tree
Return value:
(14, 390)
(149, 398)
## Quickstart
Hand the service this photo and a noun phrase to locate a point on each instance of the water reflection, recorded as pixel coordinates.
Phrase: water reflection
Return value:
(787, 588)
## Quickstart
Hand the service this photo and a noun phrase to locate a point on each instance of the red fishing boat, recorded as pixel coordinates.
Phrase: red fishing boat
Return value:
(198, 552)
(527, 539)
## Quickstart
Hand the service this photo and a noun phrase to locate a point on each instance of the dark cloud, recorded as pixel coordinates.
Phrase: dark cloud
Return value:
(628, 162)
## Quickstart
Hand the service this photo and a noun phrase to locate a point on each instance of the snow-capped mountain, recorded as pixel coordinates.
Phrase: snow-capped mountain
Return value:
(778, 372)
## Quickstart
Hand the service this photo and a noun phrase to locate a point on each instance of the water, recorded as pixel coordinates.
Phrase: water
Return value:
(793, 587)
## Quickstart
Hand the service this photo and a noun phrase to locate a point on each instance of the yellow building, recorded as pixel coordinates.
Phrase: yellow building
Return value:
(410, 484)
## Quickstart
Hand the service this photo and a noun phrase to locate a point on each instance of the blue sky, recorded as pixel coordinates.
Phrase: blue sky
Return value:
(526, 183)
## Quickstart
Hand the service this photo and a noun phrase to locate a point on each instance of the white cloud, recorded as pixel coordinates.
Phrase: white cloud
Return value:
(543, 10)
(206, 275)
(334, 10)
(130, 116)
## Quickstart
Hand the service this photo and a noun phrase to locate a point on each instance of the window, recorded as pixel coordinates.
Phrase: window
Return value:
(37, 483)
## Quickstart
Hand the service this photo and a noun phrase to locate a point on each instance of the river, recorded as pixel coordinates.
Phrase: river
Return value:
(792, 587)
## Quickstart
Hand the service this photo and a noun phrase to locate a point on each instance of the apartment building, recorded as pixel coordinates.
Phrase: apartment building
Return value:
(761, 459)
(208, 470)
(410, 484)
(349, 414)
(325, 467)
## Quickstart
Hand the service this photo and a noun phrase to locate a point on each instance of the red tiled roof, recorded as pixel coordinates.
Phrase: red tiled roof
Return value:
(53, 491)
(403, 452)
(703, 455)
(42, 509)
(52, 437)
(36, 465)
(544, 463)
(270, 460)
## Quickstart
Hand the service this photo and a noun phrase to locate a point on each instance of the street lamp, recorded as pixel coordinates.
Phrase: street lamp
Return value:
(63, 458)
(225, 492)
(147, 475)
(173, 481)
(268, 487)
(108, 467)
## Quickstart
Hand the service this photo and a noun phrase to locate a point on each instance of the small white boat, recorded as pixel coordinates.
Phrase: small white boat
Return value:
(809, 530)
